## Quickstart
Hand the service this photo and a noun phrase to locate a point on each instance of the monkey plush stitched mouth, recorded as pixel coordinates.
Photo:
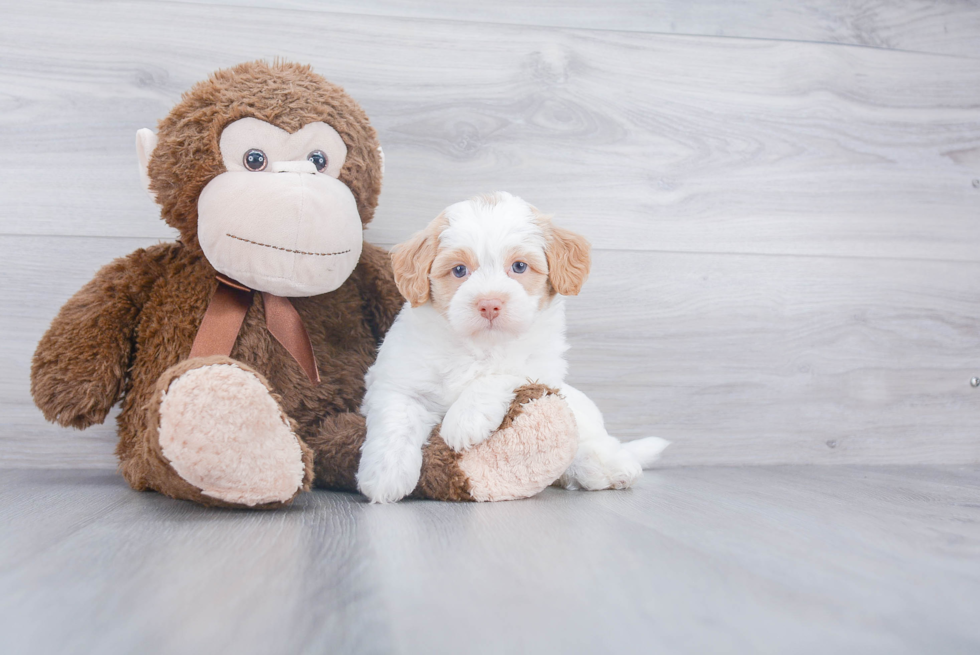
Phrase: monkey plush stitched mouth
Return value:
(278, 220)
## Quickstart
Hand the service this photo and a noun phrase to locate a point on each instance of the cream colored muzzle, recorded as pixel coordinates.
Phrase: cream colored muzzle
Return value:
(290, 232)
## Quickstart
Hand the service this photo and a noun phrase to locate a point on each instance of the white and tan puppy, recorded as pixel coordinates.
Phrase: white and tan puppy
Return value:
(485, 314)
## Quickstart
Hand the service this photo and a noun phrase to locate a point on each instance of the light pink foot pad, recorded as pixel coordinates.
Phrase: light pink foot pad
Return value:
(523, 459)
(224, 433)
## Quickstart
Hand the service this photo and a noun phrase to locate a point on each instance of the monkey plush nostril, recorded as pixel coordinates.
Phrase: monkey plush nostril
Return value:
(302, 166)
(490, 308)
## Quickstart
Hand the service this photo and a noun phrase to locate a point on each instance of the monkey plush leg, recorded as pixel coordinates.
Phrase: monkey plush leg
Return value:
(531, 449)
(337, 451)
(219, 437)
(533, 446)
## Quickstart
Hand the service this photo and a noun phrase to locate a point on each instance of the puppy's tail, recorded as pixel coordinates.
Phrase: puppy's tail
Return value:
(647, 450)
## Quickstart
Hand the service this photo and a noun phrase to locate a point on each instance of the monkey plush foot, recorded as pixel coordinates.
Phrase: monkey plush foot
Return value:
(222, 431)
(533, 446)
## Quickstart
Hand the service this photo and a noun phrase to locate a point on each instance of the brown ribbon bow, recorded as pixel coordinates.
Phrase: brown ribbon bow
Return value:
(226, 312)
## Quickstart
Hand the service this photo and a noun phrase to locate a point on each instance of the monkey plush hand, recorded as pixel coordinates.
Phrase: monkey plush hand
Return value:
(239, 351)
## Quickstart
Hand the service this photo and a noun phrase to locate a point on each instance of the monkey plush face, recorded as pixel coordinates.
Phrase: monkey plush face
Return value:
(278, 219)
(272, 172)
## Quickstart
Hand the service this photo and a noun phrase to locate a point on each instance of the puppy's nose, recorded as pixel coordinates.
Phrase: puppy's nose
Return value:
(490, 308)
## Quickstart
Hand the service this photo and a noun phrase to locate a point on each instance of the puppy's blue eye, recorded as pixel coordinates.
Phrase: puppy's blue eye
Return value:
(519, 267)
(459, 271)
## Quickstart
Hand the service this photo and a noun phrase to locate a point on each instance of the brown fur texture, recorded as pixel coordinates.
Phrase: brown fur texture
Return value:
(122, 335)
(80, 366)
(446, 481)
(343, 434)
(341, 439)
(158, 470)
(527, 393)
(128, 333)
(286, 95)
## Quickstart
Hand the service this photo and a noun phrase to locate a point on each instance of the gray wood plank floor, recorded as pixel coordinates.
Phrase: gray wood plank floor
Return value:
(693, 560)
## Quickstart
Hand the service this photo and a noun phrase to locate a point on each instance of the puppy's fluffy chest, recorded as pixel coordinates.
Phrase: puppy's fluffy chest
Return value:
(427, 356)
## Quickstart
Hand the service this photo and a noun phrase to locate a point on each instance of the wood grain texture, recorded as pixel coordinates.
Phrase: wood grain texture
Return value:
(643, 141)
(737, 359)
(694, 560)
(950, 27)
(788, 244)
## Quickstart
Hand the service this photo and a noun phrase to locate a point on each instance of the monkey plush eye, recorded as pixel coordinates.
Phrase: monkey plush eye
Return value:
(519, 267)
(319, 160)
(255, 160)
(459, 271)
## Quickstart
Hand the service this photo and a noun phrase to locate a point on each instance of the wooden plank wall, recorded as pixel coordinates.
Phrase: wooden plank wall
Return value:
(783, 201)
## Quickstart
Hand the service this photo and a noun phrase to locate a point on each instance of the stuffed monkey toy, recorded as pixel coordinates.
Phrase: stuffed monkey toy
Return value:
(239, 351)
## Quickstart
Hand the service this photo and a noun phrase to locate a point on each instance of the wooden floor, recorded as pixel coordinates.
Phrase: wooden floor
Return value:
(693, 560)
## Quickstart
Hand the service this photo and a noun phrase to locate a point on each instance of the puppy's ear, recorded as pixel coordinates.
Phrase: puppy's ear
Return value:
(412, 262)
(568, 260)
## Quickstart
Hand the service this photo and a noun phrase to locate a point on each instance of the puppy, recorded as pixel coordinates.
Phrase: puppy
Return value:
(485, 314)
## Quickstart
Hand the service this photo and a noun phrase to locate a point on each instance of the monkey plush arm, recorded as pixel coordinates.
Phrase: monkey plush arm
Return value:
(79, 368)
(376, 284)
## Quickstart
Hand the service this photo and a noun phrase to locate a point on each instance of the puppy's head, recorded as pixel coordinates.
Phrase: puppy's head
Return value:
(490, 264)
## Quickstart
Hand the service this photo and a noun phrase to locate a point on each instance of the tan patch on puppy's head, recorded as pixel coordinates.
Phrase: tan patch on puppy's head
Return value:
(444, 282)
(412, 261)
(568, 254)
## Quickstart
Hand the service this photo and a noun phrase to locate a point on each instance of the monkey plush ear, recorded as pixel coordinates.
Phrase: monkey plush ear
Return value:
(146, 141)
(569, 260)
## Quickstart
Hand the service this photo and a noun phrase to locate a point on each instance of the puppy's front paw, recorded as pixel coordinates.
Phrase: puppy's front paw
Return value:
(470, 423)
(389, 477)
(462, 429)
